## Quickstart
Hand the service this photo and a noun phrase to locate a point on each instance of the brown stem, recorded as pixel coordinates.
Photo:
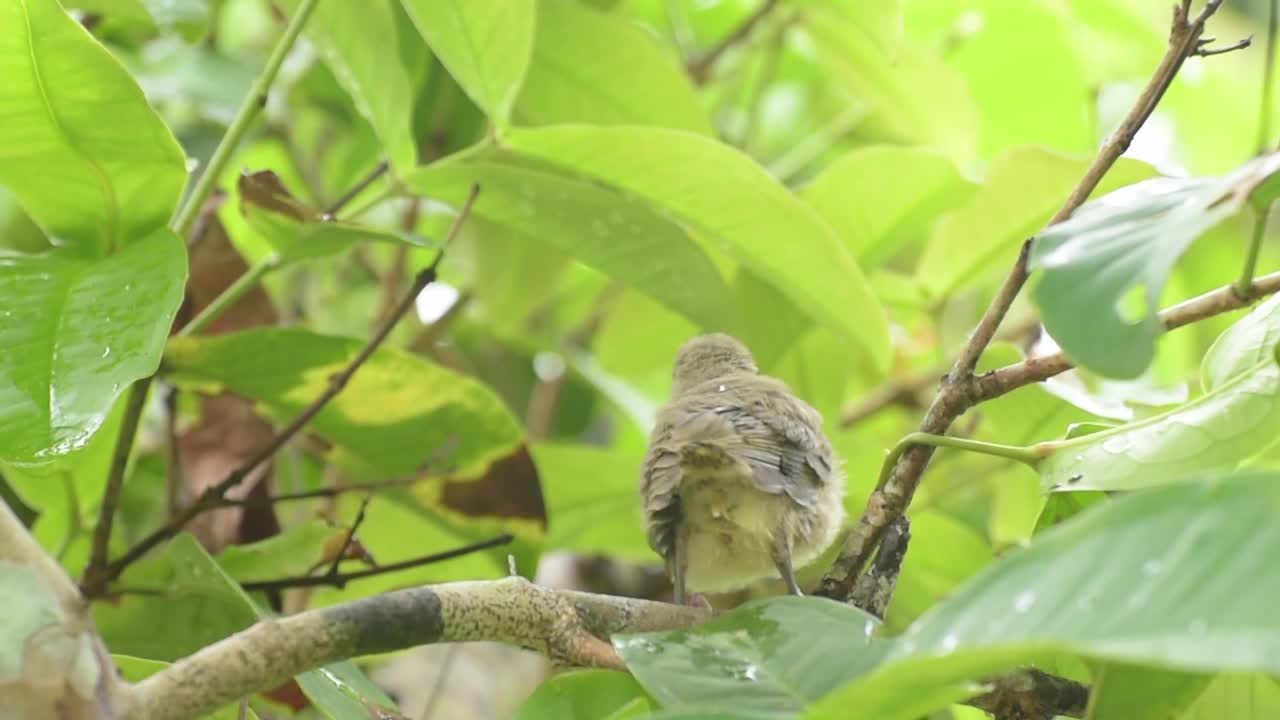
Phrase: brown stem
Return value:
(378, 171)
(1033, 695)
(340, 579)
(955, 396)
(211, 497)
(350, 537)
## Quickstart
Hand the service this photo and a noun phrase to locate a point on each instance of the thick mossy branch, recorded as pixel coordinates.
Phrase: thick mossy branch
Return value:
(569, 627)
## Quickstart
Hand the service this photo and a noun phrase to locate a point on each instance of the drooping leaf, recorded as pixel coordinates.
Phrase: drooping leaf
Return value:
(766, 659)
(1022, 190)
(297, 230)
(377, 62)
(598, 226)
(589, 66)
(76, 332)
(1233, 420)
(726, 195)
(582, 695)
(1128, 241)
(882, 198)
(485, 44)
(1151, 578)
(80, 147)
(395, 414)
(340, 691)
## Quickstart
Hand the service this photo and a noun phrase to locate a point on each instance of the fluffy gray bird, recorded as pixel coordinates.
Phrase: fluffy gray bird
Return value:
(739, 482)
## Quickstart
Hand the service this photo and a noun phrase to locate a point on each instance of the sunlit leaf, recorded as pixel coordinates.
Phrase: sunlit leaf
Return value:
(591, 500)
(1128, 242)
(589, 66)
(395, 415)
(724, 194)
(76, 333)
(1132, 692)
(883, 198)
(79, 146)
(485, 44)
(582, 695)
(377, 60)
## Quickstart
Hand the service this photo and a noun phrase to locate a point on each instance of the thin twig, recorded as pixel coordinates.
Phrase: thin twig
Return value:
(437, 687)
(339, 580)
(1245, 288)
(1202, 50)
(213, 494)
(1268, 72)
(955, 396)
(372, 176)
(231, 295)
(173, 476)
(700, 69)
(134, 406)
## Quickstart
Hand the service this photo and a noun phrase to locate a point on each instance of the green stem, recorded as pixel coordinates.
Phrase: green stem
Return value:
(1027, 455)
(228, 297)
(1269, 58)
(1244, 288)
(253, 104)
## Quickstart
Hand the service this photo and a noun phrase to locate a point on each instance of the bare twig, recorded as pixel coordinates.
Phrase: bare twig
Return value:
(955, 395)
(212, 495)
(340, 579)
(370, 178)
(905, 393)
(173, 479)
(700, 69)
(348, 538)
(1268, 71)
(1202, 49)
(570, 627)
(135, 404)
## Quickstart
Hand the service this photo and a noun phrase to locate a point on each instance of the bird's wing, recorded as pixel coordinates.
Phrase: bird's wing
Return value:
(780, 438)
(660, 485)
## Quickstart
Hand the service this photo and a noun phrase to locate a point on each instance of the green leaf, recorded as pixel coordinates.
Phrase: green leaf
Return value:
(188, 602)
(85, 154)
(591, 500)
(596, 225)
(397, 412)
(1063, 506)
(766, 659)
(1022, 190)
(1232, 421)
(723, 193)
(485, 44)
(582, 695)
(882, 198)
(1238, 696)
(77, 332)
(1131, 692)
(341, 691)
(291, 553)
(297, 230)
(1128, 241)
(593, 67)
(376, 63)
(1167, 596)
(903, 86)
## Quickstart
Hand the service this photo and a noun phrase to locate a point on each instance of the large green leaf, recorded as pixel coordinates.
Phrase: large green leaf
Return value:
(1128, 241)
(881, 198)
(87, 157)
(1022, 190)
(294, 552)
(485, 44)
(396, 414)
(582, 695)
(596, 225)
(1151, 578)
(1131, 692)
(377, 62)
(768, 658)
(1233, 420)
(593, 67)
(723, 193)
(76, 332)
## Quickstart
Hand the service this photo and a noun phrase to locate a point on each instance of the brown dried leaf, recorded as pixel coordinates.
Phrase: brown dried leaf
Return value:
(509, 488)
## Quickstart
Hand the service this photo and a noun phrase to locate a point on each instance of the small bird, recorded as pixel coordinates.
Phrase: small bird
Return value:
(739, 483)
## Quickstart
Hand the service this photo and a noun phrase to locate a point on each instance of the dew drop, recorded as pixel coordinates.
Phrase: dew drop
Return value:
(106, 351)
(1151, 568)
(949, 643)
(1024, 601)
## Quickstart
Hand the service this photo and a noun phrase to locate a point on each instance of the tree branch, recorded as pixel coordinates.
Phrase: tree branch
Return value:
(1033, 695)
(700, 69)
(954, 397)
(212, 496)
(1037, 369)
(570, 627)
